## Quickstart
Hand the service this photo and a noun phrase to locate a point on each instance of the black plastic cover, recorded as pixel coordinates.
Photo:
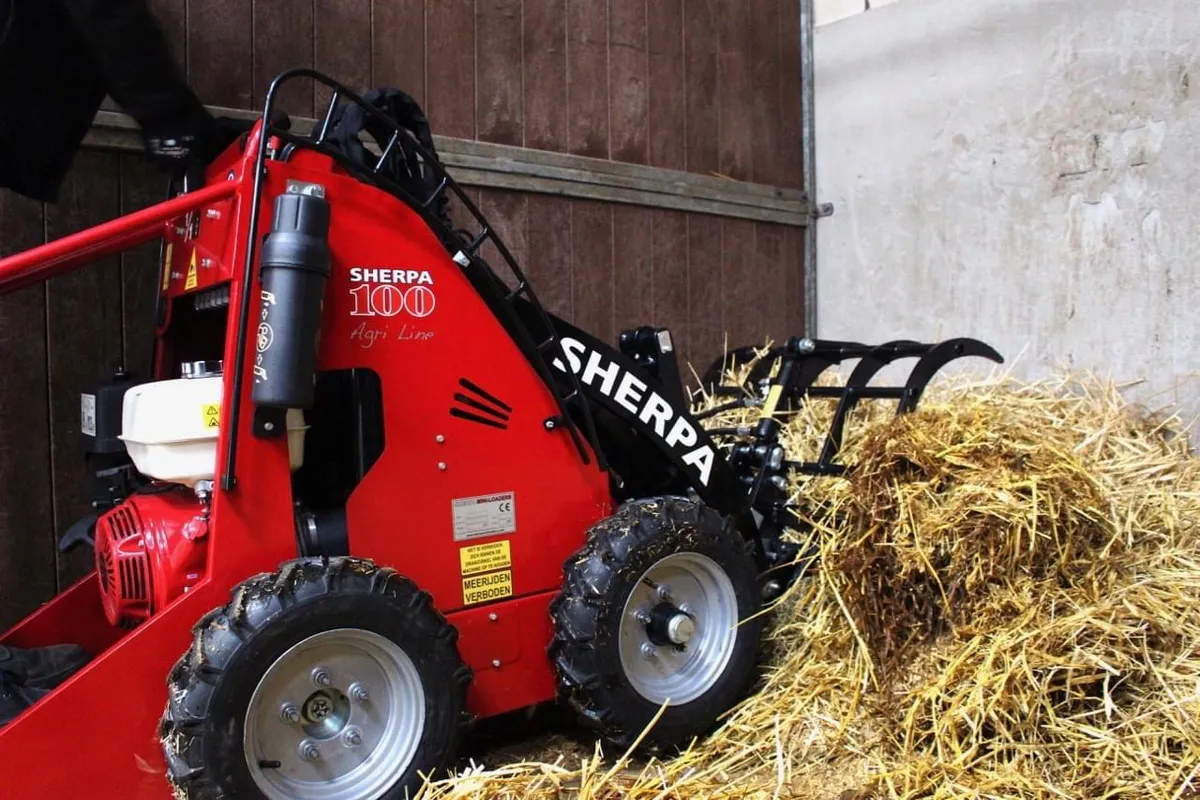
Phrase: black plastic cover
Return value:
(295, 269)
(100, 412)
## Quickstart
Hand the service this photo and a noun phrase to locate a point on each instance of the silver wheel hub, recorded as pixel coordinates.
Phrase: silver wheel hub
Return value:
(339, 716)
(678, 628)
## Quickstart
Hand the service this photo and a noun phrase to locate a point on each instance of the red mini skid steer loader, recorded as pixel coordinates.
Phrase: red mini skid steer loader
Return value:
(373, 491)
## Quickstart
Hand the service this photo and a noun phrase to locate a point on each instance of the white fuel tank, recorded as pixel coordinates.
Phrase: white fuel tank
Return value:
(170, 429)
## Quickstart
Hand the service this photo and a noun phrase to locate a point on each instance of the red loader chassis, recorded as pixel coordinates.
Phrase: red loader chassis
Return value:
(371, 491)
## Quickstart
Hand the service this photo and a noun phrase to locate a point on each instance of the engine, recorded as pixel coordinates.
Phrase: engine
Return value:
(149, 550)
(160, 442)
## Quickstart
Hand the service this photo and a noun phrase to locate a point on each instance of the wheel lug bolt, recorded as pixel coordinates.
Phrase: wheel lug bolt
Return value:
(321, 677)
(289, 713)
(685, 609)
(352, 737)
(309, 751)
(664, 592)
(649, 651)
(642, 617)
(359, 692)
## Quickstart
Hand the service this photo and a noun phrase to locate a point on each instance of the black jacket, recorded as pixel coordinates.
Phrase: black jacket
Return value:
(58, 60)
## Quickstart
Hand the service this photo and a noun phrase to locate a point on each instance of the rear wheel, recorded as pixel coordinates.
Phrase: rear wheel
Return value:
(332, 678)
(656, 610)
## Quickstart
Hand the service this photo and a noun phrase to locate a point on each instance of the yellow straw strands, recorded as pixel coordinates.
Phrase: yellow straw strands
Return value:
(1006, 604)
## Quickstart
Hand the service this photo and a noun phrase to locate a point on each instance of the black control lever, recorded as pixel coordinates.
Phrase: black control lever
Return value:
(79, 533)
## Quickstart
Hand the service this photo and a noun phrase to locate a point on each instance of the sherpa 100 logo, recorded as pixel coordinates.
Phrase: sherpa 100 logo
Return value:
(381, 292)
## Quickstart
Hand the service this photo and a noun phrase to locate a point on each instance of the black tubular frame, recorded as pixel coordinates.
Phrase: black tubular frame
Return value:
(498, 296)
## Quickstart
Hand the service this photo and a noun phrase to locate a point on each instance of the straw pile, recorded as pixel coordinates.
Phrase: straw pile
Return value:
(1007, 604)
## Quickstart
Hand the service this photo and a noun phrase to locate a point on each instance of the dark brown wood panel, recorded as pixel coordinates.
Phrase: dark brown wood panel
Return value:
(700, 43)
(592, 267)
(283, 40)
(220, 55)
(544, 73)
(666, 127)
(793, 259)
(791, 171)
(27, 570)
(764, 97)
(735, 110)
(341, 45)
(83, 337)
(142, 185)
(498, 28)
(587, 78)
(450, 67)
(548, 261)
(770, 283)
(633, 273)
(740, 285)
(507, 213)
(704, 85)
(668, 263)
(398, 46)
(706, 323)
(460, 217)
(628, 68)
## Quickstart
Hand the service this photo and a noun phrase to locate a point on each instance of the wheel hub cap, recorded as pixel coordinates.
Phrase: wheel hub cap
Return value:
(341, 745)
(678, 628)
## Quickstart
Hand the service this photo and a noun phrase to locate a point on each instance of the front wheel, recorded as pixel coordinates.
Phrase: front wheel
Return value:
(332, 679)
(659, 608)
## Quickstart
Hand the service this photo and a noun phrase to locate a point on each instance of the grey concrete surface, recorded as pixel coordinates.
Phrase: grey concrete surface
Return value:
(1022, 171)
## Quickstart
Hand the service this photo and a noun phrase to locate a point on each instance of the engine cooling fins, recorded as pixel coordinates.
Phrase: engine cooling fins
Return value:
(478, 405)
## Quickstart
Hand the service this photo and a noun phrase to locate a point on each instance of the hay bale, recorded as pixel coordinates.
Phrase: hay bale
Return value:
(1007, 605)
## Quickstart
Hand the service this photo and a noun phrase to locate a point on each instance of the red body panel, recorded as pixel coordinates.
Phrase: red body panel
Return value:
(99, 730)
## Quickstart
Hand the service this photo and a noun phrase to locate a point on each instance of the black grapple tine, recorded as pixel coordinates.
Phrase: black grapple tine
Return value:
(866, 369)
(939, 356)
(810, 370)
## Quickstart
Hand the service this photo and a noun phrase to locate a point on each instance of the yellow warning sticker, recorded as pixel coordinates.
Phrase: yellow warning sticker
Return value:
(192, 279)
(485, 557)
(166, 266)
(482, 588)
(212, 415)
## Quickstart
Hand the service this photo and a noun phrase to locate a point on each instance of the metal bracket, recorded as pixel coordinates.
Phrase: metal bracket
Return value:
(822, 210)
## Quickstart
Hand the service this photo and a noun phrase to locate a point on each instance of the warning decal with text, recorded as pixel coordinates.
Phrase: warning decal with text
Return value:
(482, 588)
(485, 557)
(486, 515)
(166, 266)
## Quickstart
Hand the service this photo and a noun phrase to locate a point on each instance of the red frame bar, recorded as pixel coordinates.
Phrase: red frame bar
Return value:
(109, 238)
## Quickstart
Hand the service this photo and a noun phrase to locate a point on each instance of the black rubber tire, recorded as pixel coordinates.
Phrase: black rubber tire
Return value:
(210, 687)
(586, 616)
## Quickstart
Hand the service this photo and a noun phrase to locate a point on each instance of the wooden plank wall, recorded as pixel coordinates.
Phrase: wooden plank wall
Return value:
(709, 86)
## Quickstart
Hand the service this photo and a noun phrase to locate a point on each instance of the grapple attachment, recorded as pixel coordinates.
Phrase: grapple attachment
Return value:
(782, 377)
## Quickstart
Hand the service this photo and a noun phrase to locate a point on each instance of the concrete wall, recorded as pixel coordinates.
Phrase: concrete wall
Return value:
(1022, 171)
(827, 11)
